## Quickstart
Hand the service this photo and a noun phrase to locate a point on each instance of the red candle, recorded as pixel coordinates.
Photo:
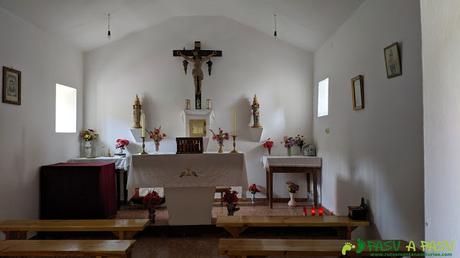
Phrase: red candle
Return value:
(320, 211)
(313, 211)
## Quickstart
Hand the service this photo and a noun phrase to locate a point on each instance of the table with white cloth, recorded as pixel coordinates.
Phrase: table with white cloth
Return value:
(189, 181)
(311, 166)
(121, 168)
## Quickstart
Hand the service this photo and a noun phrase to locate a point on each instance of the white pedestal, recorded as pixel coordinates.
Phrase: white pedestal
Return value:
(189, 205)
(256, 133)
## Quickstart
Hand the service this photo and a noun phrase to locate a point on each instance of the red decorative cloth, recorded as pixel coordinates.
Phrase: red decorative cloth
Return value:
(78, 191)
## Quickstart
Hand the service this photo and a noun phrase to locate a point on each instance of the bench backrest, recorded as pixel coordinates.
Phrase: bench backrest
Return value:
(113, 248)
(74, 225)
(289, 221)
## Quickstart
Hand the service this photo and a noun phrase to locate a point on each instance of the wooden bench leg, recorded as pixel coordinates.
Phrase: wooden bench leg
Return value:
(234, 231)
(221, 199)
(15, 235)
(121, 235)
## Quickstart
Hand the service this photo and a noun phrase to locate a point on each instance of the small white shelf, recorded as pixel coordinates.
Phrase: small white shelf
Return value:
(136, 133)
(255, 134)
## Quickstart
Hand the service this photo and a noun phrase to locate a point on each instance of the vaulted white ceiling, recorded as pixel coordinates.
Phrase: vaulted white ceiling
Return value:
(303, 23)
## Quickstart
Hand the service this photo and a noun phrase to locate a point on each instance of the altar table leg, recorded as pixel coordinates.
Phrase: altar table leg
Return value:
(267, 183)
(118, 172)
(315, 187)
(270, 197)
(125, 183)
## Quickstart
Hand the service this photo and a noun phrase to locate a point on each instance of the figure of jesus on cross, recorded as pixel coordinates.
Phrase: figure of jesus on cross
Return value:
(197, 57)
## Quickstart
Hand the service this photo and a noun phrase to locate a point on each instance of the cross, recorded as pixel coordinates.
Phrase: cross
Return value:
(197, 57)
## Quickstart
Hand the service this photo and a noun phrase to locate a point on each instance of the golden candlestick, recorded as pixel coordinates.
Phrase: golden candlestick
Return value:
(234, 145)
(143, 147)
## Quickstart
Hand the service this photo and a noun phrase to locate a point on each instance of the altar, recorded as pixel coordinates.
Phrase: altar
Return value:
(189, 181)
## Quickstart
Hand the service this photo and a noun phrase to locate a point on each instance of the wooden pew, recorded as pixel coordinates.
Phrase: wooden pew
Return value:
(49, 248)
(235, 225)
(291, 247)
(122, 228)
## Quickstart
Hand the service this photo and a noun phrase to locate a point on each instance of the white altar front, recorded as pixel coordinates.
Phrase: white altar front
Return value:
(189, 180)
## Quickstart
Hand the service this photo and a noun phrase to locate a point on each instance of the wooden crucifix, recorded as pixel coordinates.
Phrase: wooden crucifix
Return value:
(197, 57)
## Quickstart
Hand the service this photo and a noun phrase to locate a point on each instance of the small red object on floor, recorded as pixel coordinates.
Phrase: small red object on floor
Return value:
(313, 211)
(320, 211)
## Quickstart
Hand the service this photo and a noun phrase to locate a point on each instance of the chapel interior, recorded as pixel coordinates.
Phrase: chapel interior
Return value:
(213, 128)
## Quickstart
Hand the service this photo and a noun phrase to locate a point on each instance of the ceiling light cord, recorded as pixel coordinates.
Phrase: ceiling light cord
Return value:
(275, 32)
(109, 33)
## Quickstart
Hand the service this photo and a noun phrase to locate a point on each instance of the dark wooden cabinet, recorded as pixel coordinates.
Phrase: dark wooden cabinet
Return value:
(78, 191)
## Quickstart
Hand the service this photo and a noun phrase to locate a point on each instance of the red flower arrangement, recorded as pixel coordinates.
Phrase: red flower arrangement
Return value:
(220, 137)
(292, 187)
(156, 135)
(230, 197)
(151, 200)
(268, 144)
(253, 189)
(121, 144)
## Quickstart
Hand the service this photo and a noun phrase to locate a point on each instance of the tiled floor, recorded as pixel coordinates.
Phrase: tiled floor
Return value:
(260, 208)
(165, 241)
(201, 241)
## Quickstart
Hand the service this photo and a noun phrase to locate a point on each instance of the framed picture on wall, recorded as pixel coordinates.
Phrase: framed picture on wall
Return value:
(11, 92)
(357, 89)
(393, 60)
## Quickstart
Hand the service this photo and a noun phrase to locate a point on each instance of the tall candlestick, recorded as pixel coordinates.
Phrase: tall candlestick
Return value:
(143, 124)
(234, 144)
(234, 122)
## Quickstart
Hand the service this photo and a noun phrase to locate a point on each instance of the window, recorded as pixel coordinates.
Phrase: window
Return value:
(66, 109)
(323, 97)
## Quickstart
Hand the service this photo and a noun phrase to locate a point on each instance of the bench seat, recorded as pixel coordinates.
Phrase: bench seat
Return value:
(49, 248)
(289, 247)
(235, 225)
(17, 229)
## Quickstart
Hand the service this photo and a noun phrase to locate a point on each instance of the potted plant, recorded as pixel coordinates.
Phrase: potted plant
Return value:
(121, 144)
(268, 144)
(253, 189)
(299, 141)
(151, 200)
(220, 138)
(288, 143)
(88, 136)
(292, 189)
(231, 200)
(157, 136)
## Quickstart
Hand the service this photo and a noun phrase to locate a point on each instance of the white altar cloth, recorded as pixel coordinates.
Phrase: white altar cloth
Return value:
(187, 170)
(189, 181)
(120, 162)
(292, 161)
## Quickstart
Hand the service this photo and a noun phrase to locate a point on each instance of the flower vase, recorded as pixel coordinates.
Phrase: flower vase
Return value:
(121, 152)
(289, 151)
(88, 149)
(221, 148)
(253, 198)
(157, 147)
(152, 214)
(292, 202)
(231, 208)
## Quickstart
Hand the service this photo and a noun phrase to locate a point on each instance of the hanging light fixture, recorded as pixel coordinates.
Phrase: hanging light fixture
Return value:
(109, 33)
(275, 32)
